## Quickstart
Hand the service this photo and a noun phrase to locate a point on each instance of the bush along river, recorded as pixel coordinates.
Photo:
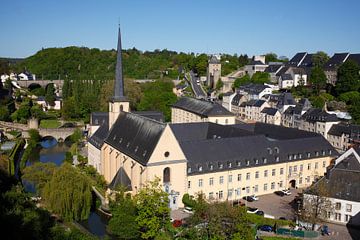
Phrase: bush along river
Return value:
(50, 150)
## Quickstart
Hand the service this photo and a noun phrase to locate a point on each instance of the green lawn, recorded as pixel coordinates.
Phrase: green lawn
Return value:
(49, 123)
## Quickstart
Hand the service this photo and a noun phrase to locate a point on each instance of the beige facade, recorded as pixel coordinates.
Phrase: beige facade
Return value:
(114, 110)
(252, 113)
(318, 127)
(237, 183)
(271, 119)
(94, 157)
(183, 116)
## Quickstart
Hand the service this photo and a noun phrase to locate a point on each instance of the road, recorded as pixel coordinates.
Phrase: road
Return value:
(197, 89)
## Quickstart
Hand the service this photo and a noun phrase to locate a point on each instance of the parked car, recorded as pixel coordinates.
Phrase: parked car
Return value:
(260, 213)
(252, 210)
(279, 193)
(188, 210)
(266, 228)
(251, 198)
(286, 192)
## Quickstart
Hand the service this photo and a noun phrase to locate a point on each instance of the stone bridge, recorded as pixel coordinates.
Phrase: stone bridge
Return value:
(42, 83)
(57, 133)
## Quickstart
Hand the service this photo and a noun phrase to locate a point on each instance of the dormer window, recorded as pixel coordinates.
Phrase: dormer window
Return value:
(290, 157)
(323, 152)
(317, 153)
(308, 154)
(300, 155)
(247, 162)
(264, 160)
(120, 140)
(269, 151)
(229, 164)
(276, 150)
(211, 167)
(294, 156)
(221, 166)
(256, 161)
(200, 168)
(238, 163)
(329, 151)
(277, 159)
(136, 149)
(189, 170)
(128, 144)
(144, 153)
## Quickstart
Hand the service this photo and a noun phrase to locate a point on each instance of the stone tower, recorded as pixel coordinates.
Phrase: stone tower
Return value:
(118, 102)
(213, 71)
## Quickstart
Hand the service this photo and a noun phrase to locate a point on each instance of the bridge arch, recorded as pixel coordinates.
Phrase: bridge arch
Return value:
(33, 86)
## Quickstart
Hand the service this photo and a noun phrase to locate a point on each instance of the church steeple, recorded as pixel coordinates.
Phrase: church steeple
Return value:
(118, 102)
(119, 81)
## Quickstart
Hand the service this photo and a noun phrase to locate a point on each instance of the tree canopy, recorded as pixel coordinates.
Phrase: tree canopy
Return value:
(348, 77)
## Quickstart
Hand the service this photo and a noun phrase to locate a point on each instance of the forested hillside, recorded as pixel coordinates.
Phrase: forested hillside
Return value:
(88, 64)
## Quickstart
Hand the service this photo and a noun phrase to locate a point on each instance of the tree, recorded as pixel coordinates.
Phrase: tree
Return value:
(242, 81)
(152, 208)
(4, 113)
(243, 60)
(355, 111)
(68, 193)
(318, 78)
(271, 57)
(316, 203)
(260, 77)
(350, 97)
(319, 59)
(39, 174)
(123, 221)
(219, 84)
(348, 77)
(50, 96)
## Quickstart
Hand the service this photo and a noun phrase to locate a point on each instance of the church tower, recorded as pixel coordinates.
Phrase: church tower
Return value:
(118, 102)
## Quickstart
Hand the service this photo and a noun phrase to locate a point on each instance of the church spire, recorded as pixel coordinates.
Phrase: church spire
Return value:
(119, 81)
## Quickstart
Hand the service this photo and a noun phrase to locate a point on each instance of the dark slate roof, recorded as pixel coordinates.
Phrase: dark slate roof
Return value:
(273, 68)
(201, 131)
(252, 88)
(307, 62)
(297, 58)
(355, 58)
(343, 180)
(318, 115)
(282, 71)
(121, 179)
(286, 77)
(285, 98)
(155, 115)
(99, 118)
(269, 111)
(236, 99)
(255, 103)
(240, 150)
(335, 61)
(98, 138)
(349, 129)
(296, 70)
(135, 136)
(201, 107)
(256, 62)
(305, 103)
(214, 60)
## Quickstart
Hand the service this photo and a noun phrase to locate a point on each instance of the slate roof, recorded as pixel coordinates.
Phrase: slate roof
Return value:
(252, 88)
(343, 180)
(297, 58)
(214, 60)
(99, 118)
(269, 111)
(242, 152)
(285, 77)
(318, 115)
(255, 103)
(121, 179)
(236, 99)
(201, 107)
(97, 139)
(207, 130)
(285, 98)
(349, 129)
(355, 58)
(273, 68)
(257, 62)
(335, 61)
(135, 136)
(155, 115)
(307, 62)
(282, 71)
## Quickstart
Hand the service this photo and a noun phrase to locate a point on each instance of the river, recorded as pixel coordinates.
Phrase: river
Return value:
(52, 151)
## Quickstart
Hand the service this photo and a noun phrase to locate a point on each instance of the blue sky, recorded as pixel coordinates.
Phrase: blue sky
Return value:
(212, 26)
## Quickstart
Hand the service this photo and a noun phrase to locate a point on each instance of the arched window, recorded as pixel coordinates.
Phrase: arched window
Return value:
(166, 175)
(121, 107)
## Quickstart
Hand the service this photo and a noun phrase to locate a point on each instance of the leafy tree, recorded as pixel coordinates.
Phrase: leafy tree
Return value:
(219, 84)
(68, 193)
(76, 136)
(50, 96)
(319, 101)
(242, 81)
(123, 221)
(319, 59)
(34, 135)
(153, 213)
(22, 114)
(243, 60)
(188, 200)
(4, 113)
(350, 97)
(271, 57)
(39, 174)
(38, 91)
(316, 204)
(260, 77)
(348, 77)
(318, 78)
(355, 111)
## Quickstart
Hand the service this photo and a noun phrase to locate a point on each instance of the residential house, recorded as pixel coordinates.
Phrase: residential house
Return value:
(46, 106)
(25, 76)
(318, 120)
(237, 100)
(226, 100)
(270, 116)
(344, 136)
(255, 91)
(251, 110)
(291, 117)
(188, 109)
(257, 64)
(342, 185)
(289, 77)
(273, 70)
(332, 65)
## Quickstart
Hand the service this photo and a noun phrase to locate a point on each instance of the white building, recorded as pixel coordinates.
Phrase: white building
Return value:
(256, 65)
(342, 182)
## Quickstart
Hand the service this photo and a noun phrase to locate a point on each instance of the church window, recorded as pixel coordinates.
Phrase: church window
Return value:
(166, 175)
(121, 107)
(166, 154)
